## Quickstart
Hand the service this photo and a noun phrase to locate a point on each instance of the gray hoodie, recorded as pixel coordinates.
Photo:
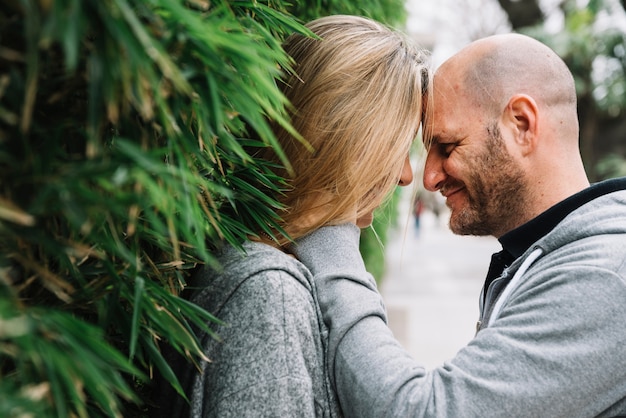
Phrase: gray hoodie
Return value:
(553, 343)
(269, 360)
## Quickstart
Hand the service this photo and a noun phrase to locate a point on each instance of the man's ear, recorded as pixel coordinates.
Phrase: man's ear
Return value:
(521, 117)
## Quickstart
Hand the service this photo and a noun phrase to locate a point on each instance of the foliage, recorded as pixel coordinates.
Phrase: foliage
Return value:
(392, 12)
(122, 159)
(612, 166)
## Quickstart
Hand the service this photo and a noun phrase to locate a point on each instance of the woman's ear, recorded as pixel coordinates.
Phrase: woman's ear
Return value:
(521, 116)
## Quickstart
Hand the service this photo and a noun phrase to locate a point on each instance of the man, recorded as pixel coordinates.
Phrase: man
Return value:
(551, 339)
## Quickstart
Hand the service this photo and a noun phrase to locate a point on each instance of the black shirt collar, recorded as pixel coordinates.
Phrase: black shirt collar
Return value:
(517, 241)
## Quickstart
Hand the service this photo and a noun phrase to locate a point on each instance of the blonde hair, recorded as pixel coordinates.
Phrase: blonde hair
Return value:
(357, 100)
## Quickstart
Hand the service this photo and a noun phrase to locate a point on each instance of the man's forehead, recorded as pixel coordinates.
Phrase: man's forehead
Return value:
(447, 81)
(437, 126)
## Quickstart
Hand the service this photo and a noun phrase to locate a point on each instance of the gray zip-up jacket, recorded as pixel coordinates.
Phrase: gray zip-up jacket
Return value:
(269, 360)
(552, 342)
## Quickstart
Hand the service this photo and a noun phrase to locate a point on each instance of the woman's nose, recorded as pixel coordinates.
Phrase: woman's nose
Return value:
(406, 176)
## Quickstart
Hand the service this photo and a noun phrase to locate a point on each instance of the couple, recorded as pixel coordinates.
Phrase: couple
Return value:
(304, 329)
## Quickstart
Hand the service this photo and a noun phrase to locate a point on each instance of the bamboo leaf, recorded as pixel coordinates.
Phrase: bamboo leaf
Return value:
(137, 305)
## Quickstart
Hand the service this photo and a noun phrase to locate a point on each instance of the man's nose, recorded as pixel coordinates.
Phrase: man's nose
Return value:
(434, 175)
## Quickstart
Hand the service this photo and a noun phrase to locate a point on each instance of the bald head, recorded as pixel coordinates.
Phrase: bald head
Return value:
(493, 69)
(509, 94)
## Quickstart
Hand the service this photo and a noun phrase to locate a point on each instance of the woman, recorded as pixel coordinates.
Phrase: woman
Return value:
(357, 100)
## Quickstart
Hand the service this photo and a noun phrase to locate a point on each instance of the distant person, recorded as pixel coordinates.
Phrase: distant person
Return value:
(357, 100)
(437, 206)
(434, 204)
(551, 337)
(418, 208)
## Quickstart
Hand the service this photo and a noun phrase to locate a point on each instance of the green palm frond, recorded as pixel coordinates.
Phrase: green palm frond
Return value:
(122, 144)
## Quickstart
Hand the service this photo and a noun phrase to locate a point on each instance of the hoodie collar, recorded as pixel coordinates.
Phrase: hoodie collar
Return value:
(517, 241)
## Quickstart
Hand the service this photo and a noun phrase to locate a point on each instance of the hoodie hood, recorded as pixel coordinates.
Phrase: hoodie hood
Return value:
(236, 265)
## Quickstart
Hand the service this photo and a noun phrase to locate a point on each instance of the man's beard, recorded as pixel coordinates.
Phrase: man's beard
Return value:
(494, 192)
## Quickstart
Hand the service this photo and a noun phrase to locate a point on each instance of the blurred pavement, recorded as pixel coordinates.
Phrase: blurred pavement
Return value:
(432, 284)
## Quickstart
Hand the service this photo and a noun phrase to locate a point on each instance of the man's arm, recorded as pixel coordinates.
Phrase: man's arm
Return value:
(548, 354)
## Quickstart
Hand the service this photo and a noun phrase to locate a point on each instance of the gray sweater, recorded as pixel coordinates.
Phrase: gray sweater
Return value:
(553, 344)
(269, 360)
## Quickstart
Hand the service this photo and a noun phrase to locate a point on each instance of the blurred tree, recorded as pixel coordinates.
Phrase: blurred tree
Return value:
(124, 130)
(522, 13)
